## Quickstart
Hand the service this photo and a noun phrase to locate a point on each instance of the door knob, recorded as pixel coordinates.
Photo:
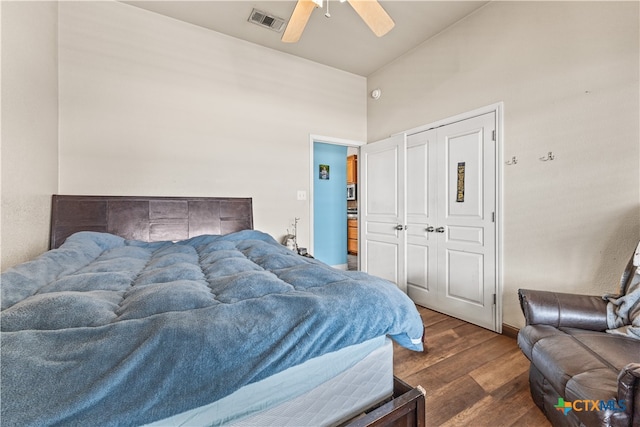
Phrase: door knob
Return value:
(430, 229)
(440, 230)
(399, 227)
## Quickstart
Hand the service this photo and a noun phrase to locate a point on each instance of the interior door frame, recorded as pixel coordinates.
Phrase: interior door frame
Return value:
(324, 140)
(498, 109)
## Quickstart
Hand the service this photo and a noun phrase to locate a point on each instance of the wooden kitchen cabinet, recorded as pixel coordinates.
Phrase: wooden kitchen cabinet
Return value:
(352, 169)
(352, 236)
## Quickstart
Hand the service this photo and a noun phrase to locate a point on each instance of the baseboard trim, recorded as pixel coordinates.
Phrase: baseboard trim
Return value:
(510, 331)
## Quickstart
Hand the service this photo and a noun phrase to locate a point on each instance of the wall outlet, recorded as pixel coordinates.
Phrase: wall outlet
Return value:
(302, 195)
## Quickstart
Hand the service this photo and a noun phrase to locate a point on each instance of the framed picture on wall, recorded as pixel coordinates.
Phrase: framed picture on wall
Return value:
(324, 172)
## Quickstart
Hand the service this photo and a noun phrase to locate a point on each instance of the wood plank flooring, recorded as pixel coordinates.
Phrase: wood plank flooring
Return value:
(472, 376)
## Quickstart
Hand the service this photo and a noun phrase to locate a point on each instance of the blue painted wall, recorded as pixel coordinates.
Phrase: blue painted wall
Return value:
(330, 204)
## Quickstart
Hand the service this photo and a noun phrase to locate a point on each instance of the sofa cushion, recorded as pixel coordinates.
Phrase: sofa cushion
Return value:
(615, 350)
(560, 357)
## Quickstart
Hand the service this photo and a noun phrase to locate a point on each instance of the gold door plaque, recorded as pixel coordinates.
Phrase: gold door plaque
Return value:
(460, 195)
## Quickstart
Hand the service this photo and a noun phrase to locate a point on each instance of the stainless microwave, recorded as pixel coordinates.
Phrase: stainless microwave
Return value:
(351, 192)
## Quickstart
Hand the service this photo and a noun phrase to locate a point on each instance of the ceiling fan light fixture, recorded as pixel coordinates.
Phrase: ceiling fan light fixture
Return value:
(376, 18)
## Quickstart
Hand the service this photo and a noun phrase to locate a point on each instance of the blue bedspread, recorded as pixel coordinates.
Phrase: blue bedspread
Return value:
(105, 331)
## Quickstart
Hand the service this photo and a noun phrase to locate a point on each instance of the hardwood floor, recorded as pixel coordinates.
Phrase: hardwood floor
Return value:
(472, 376)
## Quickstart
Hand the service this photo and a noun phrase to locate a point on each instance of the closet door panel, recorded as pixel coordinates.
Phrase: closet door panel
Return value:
(466, 204)
(465, 235)
(380, 250)
(464, 174)
(385, 184)
(465, 277)
(418, 191)
(382, 209)
(418, 257)
(421, 193)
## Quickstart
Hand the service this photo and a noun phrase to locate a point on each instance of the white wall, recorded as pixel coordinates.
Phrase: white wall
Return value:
(568, 75)
(154, 106)
(29, 127)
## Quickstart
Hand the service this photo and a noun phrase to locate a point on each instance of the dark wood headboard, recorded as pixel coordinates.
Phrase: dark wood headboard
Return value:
(148, 218)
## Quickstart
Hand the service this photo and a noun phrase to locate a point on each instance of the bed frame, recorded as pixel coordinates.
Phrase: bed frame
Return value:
(177, 218)
(405, 409)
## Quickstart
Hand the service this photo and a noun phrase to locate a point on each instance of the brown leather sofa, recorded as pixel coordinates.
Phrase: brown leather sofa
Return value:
(579, 374)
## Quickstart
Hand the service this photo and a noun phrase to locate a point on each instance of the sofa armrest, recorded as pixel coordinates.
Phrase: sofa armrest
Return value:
(629, 390)
(563, 310)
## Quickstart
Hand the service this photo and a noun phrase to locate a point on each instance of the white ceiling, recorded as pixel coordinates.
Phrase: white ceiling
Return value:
(342, 41)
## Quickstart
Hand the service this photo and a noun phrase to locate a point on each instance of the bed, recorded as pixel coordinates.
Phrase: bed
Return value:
(174, 311)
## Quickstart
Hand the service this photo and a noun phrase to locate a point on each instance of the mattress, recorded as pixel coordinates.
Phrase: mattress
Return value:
(323, 391)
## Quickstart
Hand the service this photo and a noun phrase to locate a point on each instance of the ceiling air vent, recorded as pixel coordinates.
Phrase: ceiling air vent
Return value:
(265, 20)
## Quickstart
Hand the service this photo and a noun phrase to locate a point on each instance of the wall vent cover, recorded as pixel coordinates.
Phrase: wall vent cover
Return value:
(266, 20)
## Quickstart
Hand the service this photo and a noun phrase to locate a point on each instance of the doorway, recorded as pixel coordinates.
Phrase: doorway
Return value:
(352, 208)
(328, 201)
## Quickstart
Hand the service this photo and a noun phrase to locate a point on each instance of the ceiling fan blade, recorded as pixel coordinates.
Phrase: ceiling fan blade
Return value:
(373, 15)
(298, 21)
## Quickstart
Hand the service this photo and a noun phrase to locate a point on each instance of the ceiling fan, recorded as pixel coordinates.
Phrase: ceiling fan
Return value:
(369, 10)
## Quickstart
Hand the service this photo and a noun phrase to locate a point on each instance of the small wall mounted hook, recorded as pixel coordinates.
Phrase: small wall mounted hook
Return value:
(513, 161)
(548, 157)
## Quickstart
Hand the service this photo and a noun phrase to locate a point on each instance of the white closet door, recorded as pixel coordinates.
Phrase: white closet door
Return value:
(466, 220)
(382, 209)
(421, 190)
(445, 258)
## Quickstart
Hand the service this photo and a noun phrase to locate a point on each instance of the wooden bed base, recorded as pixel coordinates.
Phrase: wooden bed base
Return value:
(405, 409)
(178, 218)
